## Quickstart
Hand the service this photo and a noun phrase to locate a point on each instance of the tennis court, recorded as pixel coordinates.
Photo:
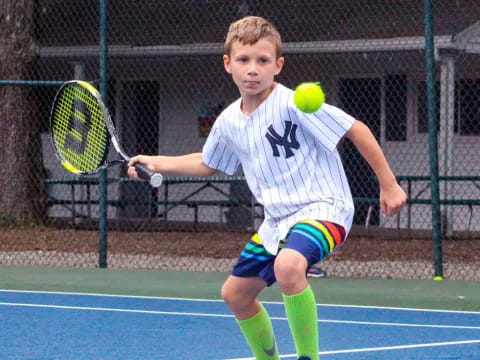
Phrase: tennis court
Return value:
(40, 321)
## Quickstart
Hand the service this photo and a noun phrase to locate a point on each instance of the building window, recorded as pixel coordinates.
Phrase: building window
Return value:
(396, 107)
(467, 107)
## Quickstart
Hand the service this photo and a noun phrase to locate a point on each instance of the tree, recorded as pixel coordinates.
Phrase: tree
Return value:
(22, 197)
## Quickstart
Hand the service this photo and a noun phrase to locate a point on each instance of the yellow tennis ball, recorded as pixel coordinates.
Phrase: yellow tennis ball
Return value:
(438, 278)
(309, 97)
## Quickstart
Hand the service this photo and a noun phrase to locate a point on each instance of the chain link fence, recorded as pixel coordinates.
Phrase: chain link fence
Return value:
(166, 86)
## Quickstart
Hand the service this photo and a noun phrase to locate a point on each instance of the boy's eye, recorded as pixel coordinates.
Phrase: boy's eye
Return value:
(245, 59)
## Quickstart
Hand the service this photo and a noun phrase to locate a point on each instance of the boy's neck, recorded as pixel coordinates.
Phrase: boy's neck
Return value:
(251, 103)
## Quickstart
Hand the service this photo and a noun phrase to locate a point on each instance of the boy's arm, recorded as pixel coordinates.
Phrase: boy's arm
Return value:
(392, 196)
(188, 165)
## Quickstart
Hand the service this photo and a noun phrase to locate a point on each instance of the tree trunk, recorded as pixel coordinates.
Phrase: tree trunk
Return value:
(22, 174)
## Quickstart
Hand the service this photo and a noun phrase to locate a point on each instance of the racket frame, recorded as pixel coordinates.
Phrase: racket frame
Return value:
(154, 179)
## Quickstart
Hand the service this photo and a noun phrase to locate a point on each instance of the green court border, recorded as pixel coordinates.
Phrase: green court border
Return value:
(422, 294)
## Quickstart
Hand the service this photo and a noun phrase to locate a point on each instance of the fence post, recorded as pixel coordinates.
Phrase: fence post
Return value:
(102, 216)
(433, 139)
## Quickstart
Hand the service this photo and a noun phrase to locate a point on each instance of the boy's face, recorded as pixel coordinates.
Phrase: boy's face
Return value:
(253, 67)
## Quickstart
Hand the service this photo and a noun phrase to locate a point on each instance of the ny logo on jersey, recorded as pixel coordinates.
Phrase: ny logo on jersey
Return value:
(288, 140)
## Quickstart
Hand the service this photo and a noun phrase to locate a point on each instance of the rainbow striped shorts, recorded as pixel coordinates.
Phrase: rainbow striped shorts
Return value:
(314, 239)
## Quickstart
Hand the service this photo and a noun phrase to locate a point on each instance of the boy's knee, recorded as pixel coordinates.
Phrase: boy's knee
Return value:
(243, 303)
(226, 293)
(290, 270)
(231, 295)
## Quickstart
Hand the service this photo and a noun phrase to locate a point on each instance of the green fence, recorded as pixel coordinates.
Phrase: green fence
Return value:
(408, 69)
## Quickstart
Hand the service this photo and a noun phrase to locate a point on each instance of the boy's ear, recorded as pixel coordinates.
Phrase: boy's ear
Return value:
(227, 64)
(279, 62)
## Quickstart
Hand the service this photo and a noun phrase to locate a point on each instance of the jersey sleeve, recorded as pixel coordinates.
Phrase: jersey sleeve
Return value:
(217, 154)
(328, 125)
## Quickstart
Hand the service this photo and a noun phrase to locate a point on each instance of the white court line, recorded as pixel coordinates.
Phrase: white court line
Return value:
(400, 324)
(156, 312)
(215, 300)
(109, 295)
(400, 308)
(383, 348)
(112, 310)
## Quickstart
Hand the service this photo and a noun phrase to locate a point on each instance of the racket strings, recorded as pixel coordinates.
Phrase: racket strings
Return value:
(79, 130)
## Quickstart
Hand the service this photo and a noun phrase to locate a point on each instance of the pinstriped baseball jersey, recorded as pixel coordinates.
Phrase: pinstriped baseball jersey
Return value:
(289, 159)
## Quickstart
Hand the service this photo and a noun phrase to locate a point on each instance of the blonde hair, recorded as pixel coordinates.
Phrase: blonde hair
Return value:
(249, 30)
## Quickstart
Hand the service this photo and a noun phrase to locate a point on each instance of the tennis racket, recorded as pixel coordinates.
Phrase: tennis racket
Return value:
(82, 129)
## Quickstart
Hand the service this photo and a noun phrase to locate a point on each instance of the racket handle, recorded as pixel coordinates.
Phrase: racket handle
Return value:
(144, 173)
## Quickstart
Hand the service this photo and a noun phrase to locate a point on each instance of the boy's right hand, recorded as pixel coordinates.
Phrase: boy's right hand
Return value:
(141, 159)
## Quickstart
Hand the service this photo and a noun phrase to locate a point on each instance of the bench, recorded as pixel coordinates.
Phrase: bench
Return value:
(414, 199)
(226, 201)
(166, 203)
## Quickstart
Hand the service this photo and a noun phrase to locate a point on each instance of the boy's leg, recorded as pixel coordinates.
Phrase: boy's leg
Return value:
(258, 332)
(300, 305)
(252, 318)
(253, 271)
(301, 312)
(307, 243)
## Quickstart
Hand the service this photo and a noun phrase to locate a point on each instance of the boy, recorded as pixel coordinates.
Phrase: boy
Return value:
(292, 167)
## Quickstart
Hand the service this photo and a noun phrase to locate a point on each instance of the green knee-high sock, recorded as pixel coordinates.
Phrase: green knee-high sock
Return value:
(301, 312)
(258, 332)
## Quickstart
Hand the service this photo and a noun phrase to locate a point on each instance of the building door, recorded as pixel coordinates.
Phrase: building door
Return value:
(140, 129)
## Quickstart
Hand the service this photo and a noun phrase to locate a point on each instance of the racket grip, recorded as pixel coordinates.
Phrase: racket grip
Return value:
(144, 173)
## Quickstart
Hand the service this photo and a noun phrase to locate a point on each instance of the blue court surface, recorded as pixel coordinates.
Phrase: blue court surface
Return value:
(50, 325)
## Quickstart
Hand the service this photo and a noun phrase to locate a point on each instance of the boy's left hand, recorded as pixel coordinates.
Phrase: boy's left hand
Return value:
(392, 199)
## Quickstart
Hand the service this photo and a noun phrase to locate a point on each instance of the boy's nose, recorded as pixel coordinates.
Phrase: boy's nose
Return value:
(252, 70)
